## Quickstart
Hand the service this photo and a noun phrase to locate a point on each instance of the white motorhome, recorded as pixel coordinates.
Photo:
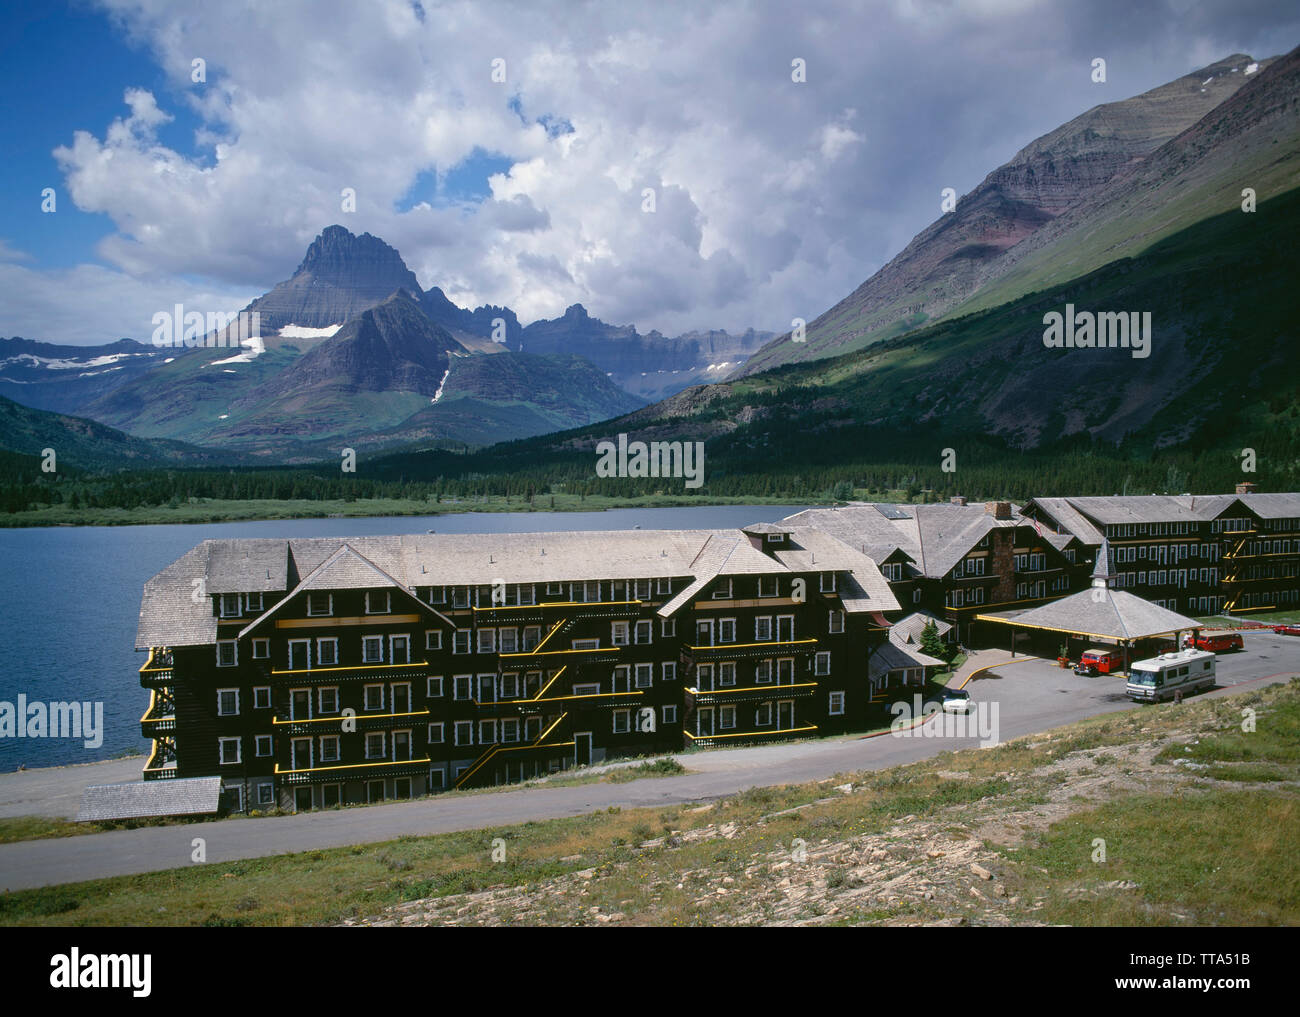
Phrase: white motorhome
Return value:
(1163, 677)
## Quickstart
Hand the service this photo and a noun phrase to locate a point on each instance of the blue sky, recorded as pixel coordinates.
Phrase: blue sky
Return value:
(773, 200)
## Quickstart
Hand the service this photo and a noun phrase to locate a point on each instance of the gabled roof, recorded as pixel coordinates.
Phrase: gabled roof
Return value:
(171, 616)
(908, 630)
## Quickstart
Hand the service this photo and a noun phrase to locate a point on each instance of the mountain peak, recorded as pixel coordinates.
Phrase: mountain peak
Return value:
(337, 255)
(576, 312)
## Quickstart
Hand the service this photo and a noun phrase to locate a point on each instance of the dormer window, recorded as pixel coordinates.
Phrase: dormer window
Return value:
(379, 602)
(319, 604)
(776, 538)
(254, 603)
(769, 586)
(828, 582)
(723, 590)
(230, 605)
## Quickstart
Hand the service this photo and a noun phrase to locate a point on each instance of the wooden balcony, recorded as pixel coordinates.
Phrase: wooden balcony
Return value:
(749, 693)
(741, 651)
(755, 736)
(364, 722)
(374, 770)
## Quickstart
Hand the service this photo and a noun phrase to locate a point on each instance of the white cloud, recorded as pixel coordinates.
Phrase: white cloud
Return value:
(772, 199)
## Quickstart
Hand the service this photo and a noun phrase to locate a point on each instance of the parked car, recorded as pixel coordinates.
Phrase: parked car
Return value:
(956, 701)
(1087, 669)
(1101, 661)
(1224, 643)
(1287, 630)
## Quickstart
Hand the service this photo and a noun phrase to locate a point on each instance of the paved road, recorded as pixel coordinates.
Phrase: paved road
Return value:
(1029, 695)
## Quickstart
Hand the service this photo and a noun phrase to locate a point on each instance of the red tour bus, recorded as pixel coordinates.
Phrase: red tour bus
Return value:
(1101, 660)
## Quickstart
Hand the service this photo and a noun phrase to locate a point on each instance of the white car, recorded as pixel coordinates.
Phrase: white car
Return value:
(956, 701)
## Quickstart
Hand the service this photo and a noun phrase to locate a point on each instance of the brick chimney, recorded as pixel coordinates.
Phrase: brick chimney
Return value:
(1246, 487)
(998, 509)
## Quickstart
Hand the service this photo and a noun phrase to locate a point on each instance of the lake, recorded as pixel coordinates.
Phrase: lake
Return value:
(70, 600)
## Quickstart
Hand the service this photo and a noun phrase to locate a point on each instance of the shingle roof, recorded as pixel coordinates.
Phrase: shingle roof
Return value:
(171, 617)
(890, 656)
(174, 610)
(191, 796)
(252, 566)
(1099, 611)
(908, 630)
(1069, 518)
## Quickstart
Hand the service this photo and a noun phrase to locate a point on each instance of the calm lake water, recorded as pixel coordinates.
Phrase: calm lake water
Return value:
(70, 601)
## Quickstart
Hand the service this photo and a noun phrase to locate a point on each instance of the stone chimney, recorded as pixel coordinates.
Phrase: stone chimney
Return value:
(959, 499)
(998, 509)
(1246, 487)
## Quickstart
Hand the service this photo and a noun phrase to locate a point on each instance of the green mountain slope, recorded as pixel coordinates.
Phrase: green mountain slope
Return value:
(1108, 184)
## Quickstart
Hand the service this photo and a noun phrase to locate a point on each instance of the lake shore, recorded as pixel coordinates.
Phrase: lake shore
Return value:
(206, 510)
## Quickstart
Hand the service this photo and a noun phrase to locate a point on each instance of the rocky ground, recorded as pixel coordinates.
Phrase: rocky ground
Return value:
(947, 867)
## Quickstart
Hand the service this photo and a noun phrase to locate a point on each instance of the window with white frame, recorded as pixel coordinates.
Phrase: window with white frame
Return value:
(460, 597)
(663, 587)
(644, 675)
(433, 639)
(261, 649)
(372, 649)
(836, 705)
(669, 713)
(435, 733)
(509, 640)
(668, 670)
(265, 794)
(230, 605)
(460, 641)
(374, 698)
(769, 586)
(509, 686)
(644, 631)
(643, 589)
(726, 717)
(668, 627)
(374, 744)
(763, 629)
(762, 672)
(327, 652)
(723, 590)
(619, 633)
(227, 702)
(586, 644)
(328, 699)
(763, 715)
(329, 748)
(510, 729)
(727, 673)
(487, 640)
(621, 675)
(555, 589)
(822, 663)
(253, 603)
(464, 732)
(726, 630)
(379, 601)
(262, 697)
(262, 745)
(319, 604)
(487, 732)
(228, 750)
(622, 721)
(835, 624)
(227, 653)
(827, 582)
(532, 636)
(461, 686)
(590, 689)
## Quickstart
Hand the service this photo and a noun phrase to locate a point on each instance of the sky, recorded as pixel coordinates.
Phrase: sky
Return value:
(658, 163)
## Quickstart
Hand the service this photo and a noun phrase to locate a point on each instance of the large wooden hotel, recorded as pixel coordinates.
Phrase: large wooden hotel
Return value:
(315, 672)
